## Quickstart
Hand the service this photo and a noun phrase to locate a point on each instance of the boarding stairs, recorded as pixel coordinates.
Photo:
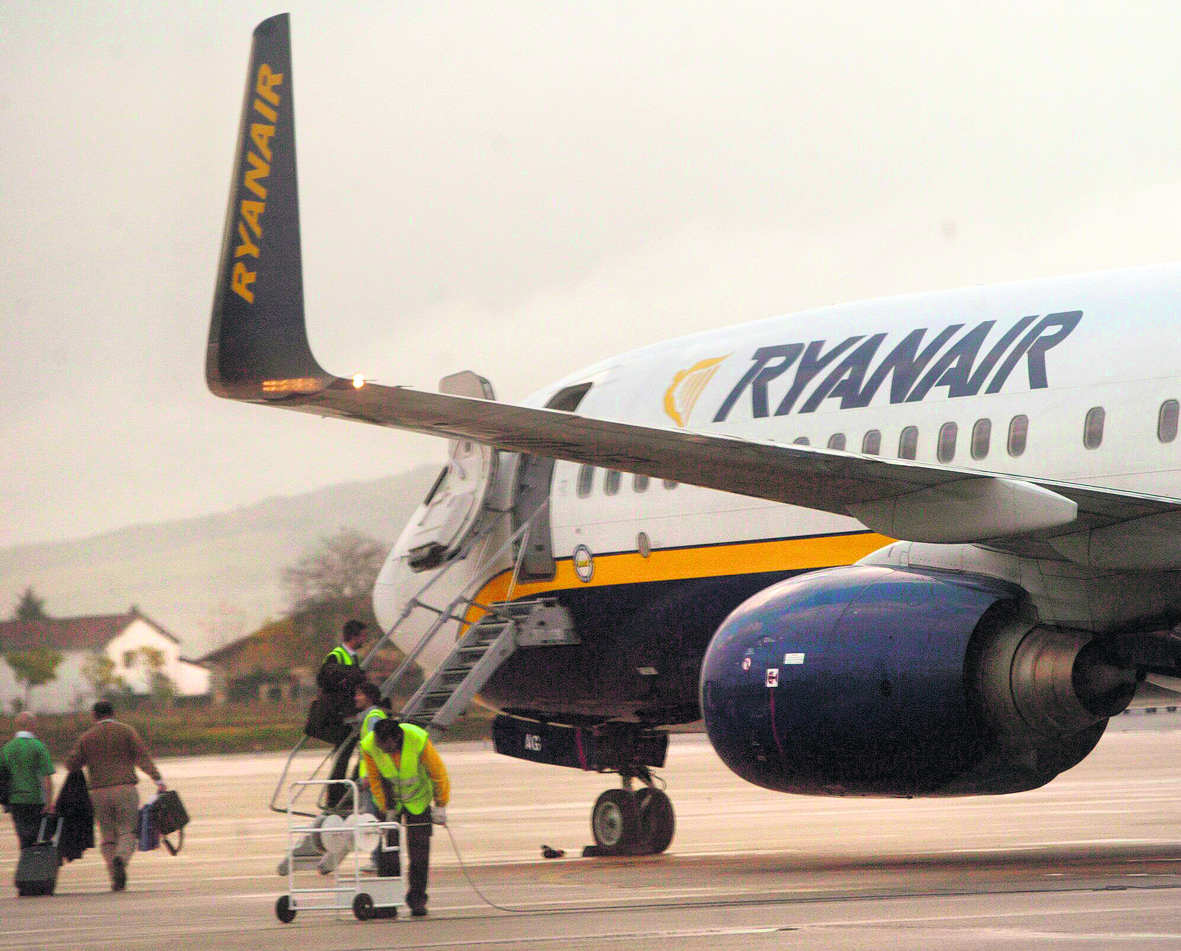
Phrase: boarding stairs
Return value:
(494, 632)
(479, 653)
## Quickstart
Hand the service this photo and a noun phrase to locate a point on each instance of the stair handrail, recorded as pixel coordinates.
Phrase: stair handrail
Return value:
(447, 614)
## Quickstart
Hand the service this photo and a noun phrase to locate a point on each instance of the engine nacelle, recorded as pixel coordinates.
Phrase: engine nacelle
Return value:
(868, 680)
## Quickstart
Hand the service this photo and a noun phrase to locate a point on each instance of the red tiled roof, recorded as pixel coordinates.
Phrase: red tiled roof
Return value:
(69, 633)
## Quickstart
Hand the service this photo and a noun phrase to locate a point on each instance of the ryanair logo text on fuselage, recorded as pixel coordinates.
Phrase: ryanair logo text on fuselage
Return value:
(255, 174)
(852, 372)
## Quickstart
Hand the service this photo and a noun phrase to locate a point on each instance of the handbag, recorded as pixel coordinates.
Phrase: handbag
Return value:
(324, 723)
(169, 815)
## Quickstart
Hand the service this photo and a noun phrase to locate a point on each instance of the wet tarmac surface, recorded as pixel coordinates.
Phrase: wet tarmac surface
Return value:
(1092, 860)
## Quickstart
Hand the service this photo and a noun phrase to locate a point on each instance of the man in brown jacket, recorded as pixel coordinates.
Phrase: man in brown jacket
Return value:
(111, 751)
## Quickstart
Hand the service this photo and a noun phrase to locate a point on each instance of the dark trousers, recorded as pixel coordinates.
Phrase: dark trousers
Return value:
(340, 768)
(418, 849)
(27, 820)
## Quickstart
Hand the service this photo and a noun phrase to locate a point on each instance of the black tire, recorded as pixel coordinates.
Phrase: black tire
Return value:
(283, 910)
(615, 822)
(657, 821)
(363, 907)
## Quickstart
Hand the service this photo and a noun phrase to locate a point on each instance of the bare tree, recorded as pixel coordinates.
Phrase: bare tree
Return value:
(343, 569)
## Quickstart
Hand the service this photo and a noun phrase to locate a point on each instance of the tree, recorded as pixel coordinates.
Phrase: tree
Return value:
(342, 570)
(99, 671)
(30, 607)
(159, 684)
(33, 667)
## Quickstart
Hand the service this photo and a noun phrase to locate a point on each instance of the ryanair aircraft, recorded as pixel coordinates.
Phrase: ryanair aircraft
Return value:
(922, 546)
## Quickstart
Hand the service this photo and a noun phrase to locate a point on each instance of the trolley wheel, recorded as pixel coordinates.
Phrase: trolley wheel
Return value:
(363, 907)
(283, 910)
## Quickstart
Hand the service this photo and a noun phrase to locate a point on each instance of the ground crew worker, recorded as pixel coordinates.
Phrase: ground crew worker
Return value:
(340, 673)
(337, 679)
(405, 775)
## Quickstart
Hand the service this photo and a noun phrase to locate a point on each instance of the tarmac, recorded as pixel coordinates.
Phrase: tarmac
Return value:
(1093, 860)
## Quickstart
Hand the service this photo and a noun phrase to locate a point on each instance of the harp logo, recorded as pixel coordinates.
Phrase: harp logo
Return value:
(686, 388)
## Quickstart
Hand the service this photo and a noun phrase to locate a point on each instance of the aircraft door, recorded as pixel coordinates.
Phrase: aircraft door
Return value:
(452, 509)
(531, 498)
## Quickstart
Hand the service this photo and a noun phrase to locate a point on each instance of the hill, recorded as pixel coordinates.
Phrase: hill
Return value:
(208, 579)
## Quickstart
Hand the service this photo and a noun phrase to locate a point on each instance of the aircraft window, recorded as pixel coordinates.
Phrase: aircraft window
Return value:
(836, 441)
(1166, 423)
(586, 479)
(981, 437)
(908, 442)
(945, 448)
(1018, 434)
(611, 482)
(670, 483)
(1093, 427)
(639, 483)
(801, 441)
(871, 442)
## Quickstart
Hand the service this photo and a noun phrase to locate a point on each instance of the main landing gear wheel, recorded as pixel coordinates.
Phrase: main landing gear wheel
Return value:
(615, 822)
(657, 822)
(283, 910)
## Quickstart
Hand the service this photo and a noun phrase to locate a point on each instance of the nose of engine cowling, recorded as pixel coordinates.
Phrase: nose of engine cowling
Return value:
(847, 681)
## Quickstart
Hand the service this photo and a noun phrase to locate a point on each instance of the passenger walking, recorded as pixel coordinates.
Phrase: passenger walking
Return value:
(31, 786)
(111, 751)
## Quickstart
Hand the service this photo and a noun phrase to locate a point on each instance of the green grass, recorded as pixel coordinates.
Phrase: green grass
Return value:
(193, 731)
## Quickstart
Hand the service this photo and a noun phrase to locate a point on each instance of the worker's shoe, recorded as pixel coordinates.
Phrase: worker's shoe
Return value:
(418, 911)
(118, 874)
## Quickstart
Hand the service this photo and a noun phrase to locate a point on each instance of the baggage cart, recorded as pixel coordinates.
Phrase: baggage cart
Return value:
(339, 881)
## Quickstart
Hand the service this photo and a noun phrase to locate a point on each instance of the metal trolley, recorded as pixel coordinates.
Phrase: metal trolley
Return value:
(343, 843)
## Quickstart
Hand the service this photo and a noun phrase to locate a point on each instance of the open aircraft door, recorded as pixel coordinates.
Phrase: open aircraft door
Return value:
(443, 523)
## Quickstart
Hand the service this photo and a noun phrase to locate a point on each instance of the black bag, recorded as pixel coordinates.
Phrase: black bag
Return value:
(168, 816)
(324, 723)
(36, 871)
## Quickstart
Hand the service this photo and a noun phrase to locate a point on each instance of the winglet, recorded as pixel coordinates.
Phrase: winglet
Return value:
(258, 347)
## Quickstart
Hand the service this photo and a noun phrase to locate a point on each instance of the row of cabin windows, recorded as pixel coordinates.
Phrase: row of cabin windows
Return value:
(908, 440)
(908, 444)
(945, 446)
(613, 480)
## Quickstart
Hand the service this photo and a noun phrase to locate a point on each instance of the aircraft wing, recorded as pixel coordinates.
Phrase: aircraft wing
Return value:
(258, 351)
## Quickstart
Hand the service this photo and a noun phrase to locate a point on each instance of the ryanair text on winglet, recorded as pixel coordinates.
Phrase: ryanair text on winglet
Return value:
(258, 168)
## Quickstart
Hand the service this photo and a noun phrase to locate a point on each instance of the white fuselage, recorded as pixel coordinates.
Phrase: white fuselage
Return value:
(1075, 379)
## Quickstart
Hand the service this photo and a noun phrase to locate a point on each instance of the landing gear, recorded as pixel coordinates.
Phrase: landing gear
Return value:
(615, 822)
(627, 822)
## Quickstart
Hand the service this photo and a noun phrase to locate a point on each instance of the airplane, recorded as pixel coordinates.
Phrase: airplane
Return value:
(919, 546)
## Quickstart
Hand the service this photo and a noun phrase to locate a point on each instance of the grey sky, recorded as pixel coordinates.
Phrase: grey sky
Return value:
(521, 188)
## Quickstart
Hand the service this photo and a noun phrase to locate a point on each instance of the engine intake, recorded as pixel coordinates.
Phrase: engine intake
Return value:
(871, 680)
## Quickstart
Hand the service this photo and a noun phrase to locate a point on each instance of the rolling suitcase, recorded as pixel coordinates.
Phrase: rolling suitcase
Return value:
(36, 871)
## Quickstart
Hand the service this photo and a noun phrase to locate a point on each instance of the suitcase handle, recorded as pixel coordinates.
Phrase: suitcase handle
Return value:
(57, 832)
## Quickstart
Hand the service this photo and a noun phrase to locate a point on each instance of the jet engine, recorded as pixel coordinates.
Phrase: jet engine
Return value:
(877, 681)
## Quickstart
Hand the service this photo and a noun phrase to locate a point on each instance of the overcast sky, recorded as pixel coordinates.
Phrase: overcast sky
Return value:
(519, 189)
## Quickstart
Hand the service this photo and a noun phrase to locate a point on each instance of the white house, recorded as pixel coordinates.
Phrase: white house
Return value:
(120, 637)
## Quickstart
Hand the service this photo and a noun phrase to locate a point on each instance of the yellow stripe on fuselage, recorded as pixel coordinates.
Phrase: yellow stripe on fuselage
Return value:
(683, 564)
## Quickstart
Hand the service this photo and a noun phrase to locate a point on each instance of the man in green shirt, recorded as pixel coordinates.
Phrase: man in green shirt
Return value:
(31, 792)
